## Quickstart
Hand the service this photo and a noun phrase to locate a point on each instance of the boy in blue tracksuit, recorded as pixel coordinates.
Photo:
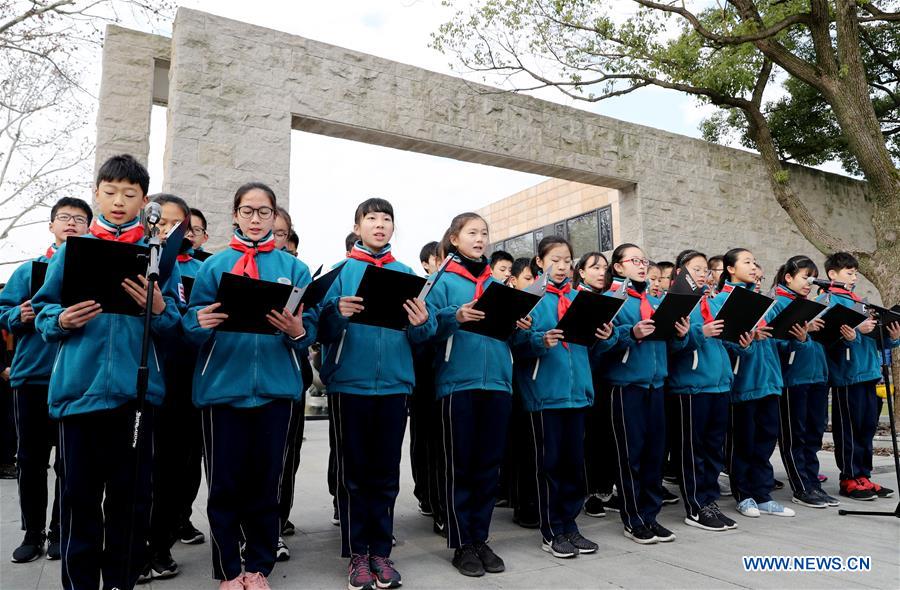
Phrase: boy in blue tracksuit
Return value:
(854, 369)
(554, 379)
(29, 378)
(368, 372)
(699, 383)
(245, 385)
(635, 370)
(92, 394)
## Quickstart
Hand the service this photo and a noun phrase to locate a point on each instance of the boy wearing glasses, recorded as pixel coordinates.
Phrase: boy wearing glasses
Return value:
(29, 378)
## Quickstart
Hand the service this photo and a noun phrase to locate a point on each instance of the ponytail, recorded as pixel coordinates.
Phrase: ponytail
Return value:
(729, 259)
(794, 265)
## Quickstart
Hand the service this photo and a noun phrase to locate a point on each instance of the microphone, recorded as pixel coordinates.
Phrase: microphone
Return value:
(827, 284)
(152, 213)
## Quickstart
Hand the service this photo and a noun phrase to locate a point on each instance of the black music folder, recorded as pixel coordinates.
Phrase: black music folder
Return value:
(313, 293)
(684, 284)
(95, 269)
(38, 274)
(502, 306)
(201, 255)
(248, 301)
(741, 312)
(384, 291)
(799, 311)
(834, 317)
(674, 306)
(588, 312)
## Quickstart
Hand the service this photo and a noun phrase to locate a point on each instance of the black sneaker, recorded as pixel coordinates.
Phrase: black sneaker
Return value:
(612, 503)
(146, 575)
(440, 528)
(163, 566)
(490, 560)
(501, 503)
(880, 490)
(288, 529)
(810, 499)
(31, 548)
(663, 534)
(425, 509)
(728, 522)
(560, 546)
(829, 500)
(282, 551)
(779, 485)
(641, 534)
(706, 519)
(594, 506)
(466, 561)
(53, 549)
(336, 517)
(668, 497)
(583, 545)
(189, 535)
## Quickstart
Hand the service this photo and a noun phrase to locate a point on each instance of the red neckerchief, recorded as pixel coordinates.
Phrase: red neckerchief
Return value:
(357, 253)
(705, 311)
(50, 251)
(845, 292)
(785, 293)
(131, 232)
(646, 308)
(246, 264)
(563, 304)
(458, 269)
(184, 257)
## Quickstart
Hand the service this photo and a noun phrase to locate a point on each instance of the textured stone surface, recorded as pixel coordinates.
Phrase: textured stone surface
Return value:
(237, 90)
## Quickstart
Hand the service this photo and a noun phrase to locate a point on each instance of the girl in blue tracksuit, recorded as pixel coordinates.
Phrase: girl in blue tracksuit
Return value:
(245, 385)
(92, 394)
(804, 399)
(699, 384)
(754, 399)
(635, 369)
(368, 372)
(555, 381)
(473, 382)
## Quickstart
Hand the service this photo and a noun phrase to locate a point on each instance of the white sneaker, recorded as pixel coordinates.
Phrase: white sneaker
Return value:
(282, 553)
(775, 509)
(749, 508)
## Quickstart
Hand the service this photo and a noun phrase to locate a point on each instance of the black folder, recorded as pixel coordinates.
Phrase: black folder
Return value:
(798, 311)
(384, 291)
(313, 293)
(684, 284)
(741, 312)
(201, 255)
(38, 274)
(248, 301)
(502, 306)
(168, 253)
(95, 269)
(188, 284)
(674, 306)
(588, 312)
(834, 317)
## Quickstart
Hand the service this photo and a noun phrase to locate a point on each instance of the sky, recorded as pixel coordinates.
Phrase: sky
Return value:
(329, 177)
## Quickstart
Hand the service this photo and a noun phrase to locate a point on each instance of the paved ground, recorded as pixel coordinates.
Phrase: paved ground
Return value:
(696, 560)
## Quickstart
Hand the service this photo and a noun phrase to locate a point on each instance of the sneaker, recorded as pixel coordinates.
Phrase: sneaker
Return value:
(440, 529)
(829, 500)
(728, 522)
(856, 490)
(288, 529)
(642, 535)
(706, 519)
(282, 552)
(189, 535)
(663, 535)
(583, 545)
(163, 565)
(774, 508)
(749, 508)
(466, 561)
(612, 503)
(560, 546)
(146, 576)
(779, 485)
(425, 509)
(490, 560)
(31, 548)
(724, 484)
(359, 574)
(235, 584)
(501, 503)
(385, 574)
(593, 506)
(670, 479)
(822, 478)
(880, 490)
(336, 517)
(668, 497)
(255, 581)
(810, 499)
(53, 548)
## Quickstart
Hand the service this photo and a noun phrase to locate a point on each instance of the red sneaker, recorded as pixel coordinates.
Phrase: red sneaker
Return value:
(359, 574)
(880, 490)
(386, 576)
(856, 489)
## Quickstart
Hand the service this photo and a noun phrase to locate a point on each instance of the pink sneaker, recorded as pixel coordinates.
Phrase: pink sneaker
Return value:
(255, 581)
(235, 584)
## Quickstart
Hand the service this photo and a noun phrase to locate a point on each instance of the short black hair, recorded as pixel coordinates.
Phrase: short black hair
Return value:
(199, 213)
(665, 265)
(293, 238)
(124, 167)
(373, 205)
(519, 266)
(501, 255)
(839, 261)
(163, 198)
(350, 241)
(428, 250)
(75, 203)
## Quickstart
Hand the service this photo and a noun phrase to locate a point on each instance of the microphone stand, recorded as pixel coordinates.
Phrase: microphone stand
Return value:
(889, 390)
(143, 382)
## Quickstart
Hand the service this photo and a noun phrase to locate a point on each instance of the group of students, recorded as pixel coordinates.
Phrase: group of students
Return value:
(549, 426)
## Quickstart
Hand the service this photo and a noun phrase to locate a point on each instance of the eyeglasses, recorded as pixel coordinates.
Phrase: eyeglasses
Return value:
(281, 233)
(197, 230)
(246, 212)
(639, 261)
(699, 270)
(66, 218)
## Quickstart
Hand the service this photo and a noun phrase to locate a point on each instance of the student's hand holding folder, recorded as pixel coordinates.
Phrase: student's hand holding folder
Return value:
(605, 331)
(714, 328)
(848, 333)
(416, 310)
(643, 328)
(288, 323)
(524, 323)
(26, 312)
(682, 326)
(350, 305)
(762, 333)
(138, 292)
(209, 318)
(553, 337)
(76, 316)
(799, 332)
(746, 339)
(467, 313)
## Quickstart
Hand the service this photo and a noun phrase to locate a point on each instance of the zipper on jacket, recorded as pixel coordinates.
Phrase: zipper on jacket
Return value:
(206, 364)
(337, 355)
(448, 348)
